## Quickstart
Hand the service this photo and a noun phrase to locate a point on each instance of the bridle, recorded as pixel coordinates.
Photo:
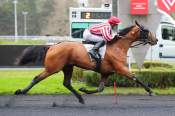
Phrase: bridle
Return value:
(143, 38)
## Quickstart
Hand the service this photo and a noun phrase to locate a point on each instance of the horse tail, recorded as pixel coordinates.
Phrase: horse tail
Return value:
(33, 54)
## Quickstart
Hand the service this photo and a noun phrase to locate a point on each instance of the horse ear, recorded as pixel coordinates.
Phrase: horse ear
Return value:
(140, 26)
(137, 23)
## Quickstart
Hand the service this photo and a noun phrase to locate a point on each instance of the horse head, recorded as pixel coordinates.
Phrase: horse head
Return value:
(145, 36)
(136, 33)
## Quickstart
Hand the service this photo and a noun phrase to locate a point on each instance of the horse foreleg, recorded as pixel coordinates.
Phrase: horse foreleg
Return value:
(143, 85)
(99, 89)
(37, 79)
(123, 70)
(67, 70)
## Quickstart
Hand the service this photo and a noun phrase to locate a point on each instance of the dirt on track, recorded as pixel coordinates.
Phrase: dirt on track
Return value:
(67, 105)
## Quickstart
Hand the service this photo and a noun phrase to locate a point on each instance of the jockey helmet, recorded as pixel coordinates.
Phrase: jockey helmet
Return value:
(114, 20)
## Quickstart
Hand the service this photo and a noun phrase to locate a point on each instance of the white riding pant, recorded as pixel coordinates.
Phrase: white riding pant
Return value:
(88, 36)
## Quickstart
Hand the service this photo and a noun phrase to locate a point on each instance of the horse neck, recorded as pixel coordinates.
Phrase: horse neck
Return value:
(124, 43)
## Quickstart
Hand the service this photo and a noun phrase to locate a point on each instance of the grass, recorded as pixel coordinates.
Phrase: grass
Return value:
(21, 42)
(11, 80)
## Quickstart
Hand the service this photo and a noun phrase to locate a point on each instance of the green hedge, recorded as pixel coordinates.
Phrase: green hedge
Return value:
(78, 74)
(150, 64)
(155, 64)
(154, 74)
(155, 79)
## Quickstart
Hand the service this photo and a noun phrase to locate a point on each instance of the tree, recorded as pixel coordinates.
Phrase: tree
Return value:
(44, 16)
(6, 20)
(57, 23)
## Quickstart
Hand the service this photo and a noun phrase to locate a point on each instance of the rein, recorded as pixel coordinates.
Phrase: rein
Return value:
(135, 46)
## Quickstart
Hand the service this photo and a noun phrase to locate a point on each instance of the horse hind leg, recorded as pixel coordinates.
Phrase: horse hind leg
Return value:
(67, 70)
(36, 80)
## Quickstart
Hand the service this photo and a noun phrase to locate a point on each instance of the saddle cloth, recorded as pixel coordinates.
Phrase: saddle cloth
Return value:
(102, 50)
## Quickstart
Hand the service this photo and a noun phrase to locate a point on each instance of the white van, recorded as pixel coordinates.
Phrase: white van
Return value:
(166, 36)
(165, 49)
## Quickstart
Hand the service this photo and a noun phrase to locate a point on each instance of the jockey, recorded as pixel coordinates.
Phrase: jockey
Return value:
(100, 34)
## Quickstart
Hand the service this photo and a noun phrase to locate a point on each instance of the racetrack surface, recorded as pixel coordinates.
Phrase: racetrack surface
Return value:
(96, 105)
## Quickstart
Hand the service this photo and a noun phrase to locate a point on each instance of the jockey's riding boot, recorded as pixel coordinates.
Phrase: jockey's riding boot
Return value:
(94, 50)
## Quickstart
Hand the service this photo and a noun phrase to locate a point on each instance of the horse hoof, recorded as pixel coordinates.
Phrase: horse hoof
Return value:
(81, 101)
(83, 89)
(18, 92)
(152, 94)
(54, 104)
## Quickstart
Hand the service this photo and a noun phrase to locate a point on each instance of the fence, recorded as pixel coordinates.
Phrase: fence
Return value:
(11, 47)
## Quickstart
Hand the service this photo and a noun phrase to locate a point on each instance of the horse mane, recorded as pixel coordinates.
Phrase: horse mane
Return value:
(125, 30)
(121, 32)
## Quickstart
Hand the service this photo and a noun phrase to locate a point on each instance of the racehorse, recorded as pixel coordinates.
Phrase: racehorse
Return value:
(65, 55)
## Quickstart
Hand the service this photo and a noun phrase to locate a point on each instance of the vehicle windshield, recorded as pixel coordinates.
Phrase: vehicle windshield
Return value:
(168, 33)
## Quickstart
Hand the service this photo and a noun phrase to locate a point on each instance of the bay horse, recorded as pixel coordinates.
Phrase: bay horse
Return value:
(65, 55)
